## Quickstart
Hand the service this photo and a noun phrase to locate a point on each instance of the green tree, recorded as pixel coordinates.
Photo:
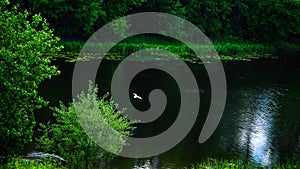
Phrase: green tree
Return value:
(274, 20)
(23, 67)
(69, 18)
(165, 6)
(212, 16)
(118, 8)
(238, 19)
(67, 138)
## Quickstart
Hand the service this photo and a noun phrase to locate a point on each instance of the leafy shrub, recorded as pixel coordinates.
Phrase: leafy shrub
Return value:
(23, 164)
(23, 67)
(68, 139)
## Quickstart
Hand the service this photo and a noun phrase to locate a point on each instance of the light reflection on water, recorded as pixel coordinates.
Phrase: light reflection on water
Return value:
(255, 112)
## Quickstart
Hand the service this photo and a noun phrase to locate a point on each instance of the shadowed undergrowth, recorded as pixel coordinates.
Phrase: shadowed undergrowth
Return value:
(228, 50)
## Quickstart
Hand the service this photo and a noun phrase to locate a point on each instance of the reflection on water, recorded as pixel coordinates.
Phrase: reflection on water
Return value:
(249, 124)
(256, 119)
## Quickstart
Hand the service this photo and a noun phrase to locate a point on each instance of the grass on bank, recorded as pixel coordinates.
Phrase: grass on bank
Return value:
(227, 49)
(236, 164)
(25, 164)
(208, 164)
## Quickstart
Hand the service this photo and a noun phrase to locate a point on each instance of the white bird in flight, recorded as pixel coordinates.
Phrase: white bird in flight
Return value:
(135, 96)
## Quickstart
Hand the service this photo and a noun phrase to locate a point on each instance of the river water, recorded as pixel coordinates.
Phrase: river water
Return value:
(260, 124)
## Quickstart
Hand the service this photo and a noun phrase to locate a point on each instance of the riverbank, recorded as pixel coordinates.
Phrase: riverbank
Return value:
(228, 50)
(210, 163)
(236, 164)
(26, 164)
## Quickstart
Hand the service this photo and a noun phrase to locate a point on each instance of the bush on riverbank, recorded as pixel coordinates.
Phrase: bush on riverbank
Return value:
(67, 138)
(23, 66)
(24, 164)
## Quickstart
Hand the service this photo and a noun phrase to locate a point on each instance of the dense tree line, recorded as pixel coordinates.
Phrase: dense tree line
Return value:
(270, 20)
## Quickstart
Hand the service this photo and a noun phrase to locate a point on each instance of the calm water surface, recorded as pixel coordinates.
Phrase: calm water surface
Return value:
(260, 124)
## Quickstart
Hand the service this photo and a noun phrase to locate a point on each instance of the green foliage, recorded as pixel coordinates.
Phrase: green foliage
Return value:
(67, 138)
(237, 164)
(274, 20)
(221, 164)
(23, 67)
(212, 16)
(23, 164)
(69, 17)
(118, 8)
(78, 18)
(267, 21)
(231, 49)
(166, 6)
(120, 27)
(242, 48)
